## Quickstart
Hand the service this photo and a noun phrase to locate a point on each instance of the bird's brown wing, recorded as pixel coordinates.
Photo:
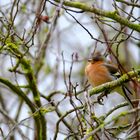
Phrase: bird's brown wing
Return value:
(112, 68)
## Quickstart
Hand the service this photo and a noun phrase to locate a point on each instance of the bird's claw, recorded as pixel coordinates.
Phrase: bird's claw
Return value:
(100, 100)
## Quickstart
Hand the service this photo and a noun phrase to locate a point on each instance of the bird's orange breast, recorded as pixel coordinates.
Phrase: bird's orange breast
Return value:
(97, 74)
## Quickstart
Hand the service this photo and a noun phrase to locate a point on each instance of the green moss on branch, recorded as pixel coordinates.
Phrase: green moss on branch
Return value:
(112, 15)
(27, 68)
(111, 85)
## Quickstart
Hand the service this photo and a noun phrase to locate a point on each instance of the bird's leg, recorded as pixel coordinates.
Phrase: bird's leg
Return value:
(106, 92)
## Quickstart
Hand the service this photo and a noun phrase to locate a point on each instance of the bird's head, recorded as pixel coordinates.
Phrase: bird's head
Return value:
(96, 57)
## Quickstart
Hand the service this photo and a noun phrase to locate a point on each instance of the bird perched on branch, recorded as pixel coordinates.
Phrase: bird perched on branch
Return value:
(98, 72)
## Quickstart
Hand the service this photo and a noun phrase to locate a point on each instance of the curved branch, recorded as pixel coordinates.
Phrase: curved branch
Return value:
(108, 14)
(19, 92)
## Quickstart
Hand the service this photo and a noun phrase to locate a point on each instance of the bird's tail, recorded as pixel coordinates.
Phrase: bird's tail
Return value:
(125, 92)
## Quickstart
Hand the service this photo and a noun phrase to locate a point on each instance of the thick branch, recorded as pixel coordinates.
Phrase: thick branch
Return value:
(111, 85)
(33, 86)
(19, 92)
(108, 14)
(26, 66)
